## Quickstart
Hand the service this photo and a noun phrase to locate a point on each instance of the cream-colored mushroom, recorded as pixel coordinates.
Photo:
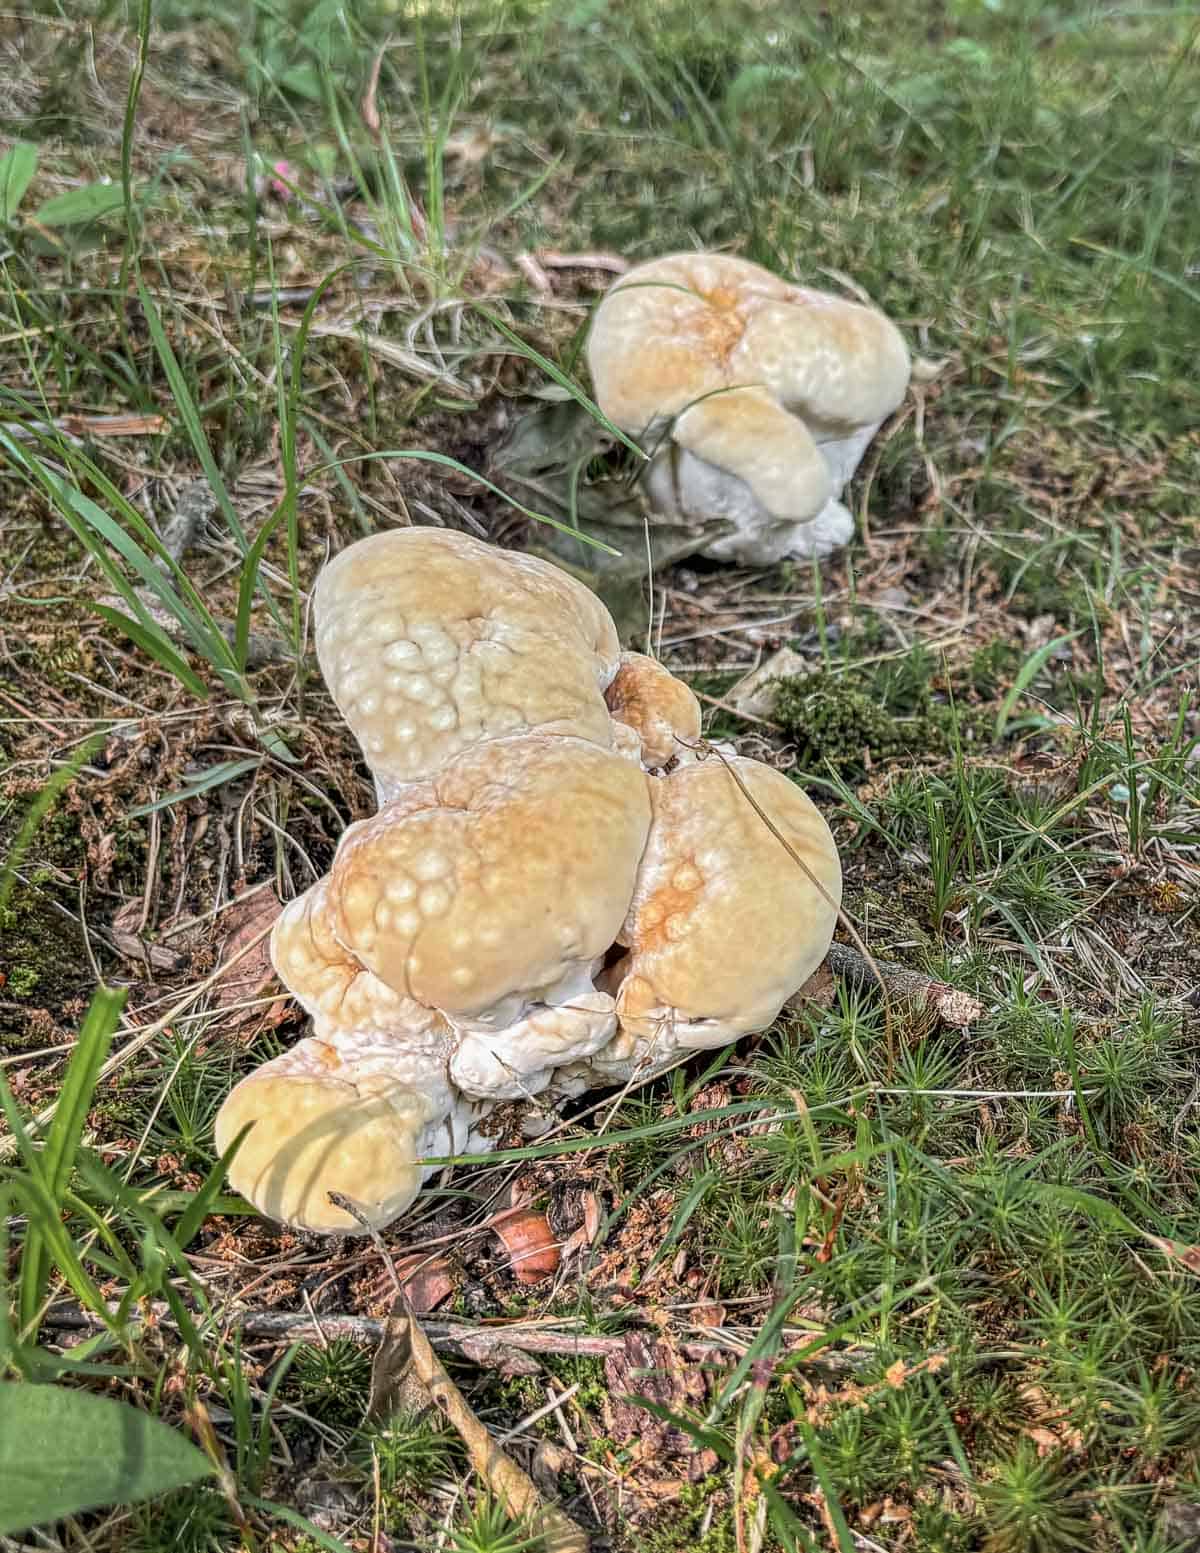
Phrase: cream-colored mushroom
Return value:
(353, 1117)
(532, 910)
(507, 873)
(725, 924)
(354, 1107)
(757, 397)
(432, 641)
(447, 963)
(661, 709)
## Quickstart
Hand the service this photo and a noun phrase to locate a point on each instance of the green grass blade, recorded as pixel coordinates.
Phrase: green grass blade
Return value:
(44, 1215)
(693, 1199)
(556, 375)
(462, 469)
(294, 1518)
(1025, 677)
(841, 1530)
(65, 1134)
(17, 167)
(203, 782)
(156, 646)
(189, 414)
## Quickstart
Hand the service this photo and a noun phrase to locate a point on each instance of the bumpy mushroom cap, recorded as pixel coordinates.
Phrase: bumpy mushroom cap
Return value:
(432, 642)
(457, 955)
(353, 1108)
(770, 393)
(724, 925)
(496, 880)
(333, 1117)
(660, 708)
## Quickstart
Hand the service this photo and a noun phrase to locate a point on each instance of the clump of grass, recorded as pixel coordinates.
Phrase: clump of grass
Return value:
(192, 1520)
(1032, 1505)
(408, 1450)
(331, 1380)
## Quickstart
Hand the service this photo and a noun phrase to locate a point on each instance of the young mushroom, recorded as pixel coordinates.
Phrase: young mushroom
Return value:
(755, 397)
(354, 1106)
(660, 709)
(532, 910)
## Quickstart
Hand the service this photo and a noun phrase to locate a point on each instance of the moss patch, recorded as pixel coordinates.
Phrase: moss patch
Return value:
(852, 722)
(42, 959)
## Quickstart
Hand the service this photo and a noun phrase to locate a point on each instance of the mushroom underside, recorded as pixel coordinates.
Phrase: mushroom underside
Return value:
(682, 486)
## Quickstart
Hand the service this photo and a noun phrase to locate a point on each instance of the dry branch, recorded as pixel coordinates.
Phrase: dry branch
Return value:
(479, 1345)
(503, 1476)
(950, 1004)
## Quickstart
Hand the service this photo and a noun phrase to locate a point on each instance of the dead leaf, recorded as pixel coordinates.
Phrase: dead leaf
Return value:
(113, 425)
(533, 272)
(549, 1463)
(427, 1282)
(251, 914)
(755, 693)
(820, 989)
(1177, 1251)
(613, 263)
(369, 108)
(533, 1251)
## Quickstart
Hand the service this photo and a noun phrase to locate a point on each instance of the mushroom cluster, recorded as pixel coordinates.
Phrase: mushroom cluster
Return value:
(562, 887)
(757, 398)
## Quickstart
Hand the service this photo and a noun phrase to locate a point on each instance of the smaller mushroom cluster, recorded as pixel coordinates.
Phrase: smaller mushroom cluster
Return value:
(562, 888)
(758, 398)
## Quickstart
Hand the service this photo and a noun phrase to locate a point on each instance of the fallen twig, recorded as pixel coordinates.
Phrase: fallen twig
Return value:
(950, 1004)
(533, 272)
(477, 1344)
(78, 428)
(611, 262)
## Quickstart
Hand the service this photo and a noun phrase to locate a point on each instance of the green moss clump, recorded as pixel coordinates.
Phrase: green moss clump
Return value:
(685, 1528)
(42, 956)
(842, 721)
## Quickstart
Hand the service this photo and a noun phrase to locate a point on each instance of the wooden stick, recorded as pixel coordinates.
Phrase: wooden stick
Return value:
(950, 1004)
(473, 1343)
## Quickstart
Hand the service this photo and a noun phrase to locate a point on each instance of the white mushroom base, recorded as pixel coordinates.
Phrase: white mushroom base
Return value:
(685, 488)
